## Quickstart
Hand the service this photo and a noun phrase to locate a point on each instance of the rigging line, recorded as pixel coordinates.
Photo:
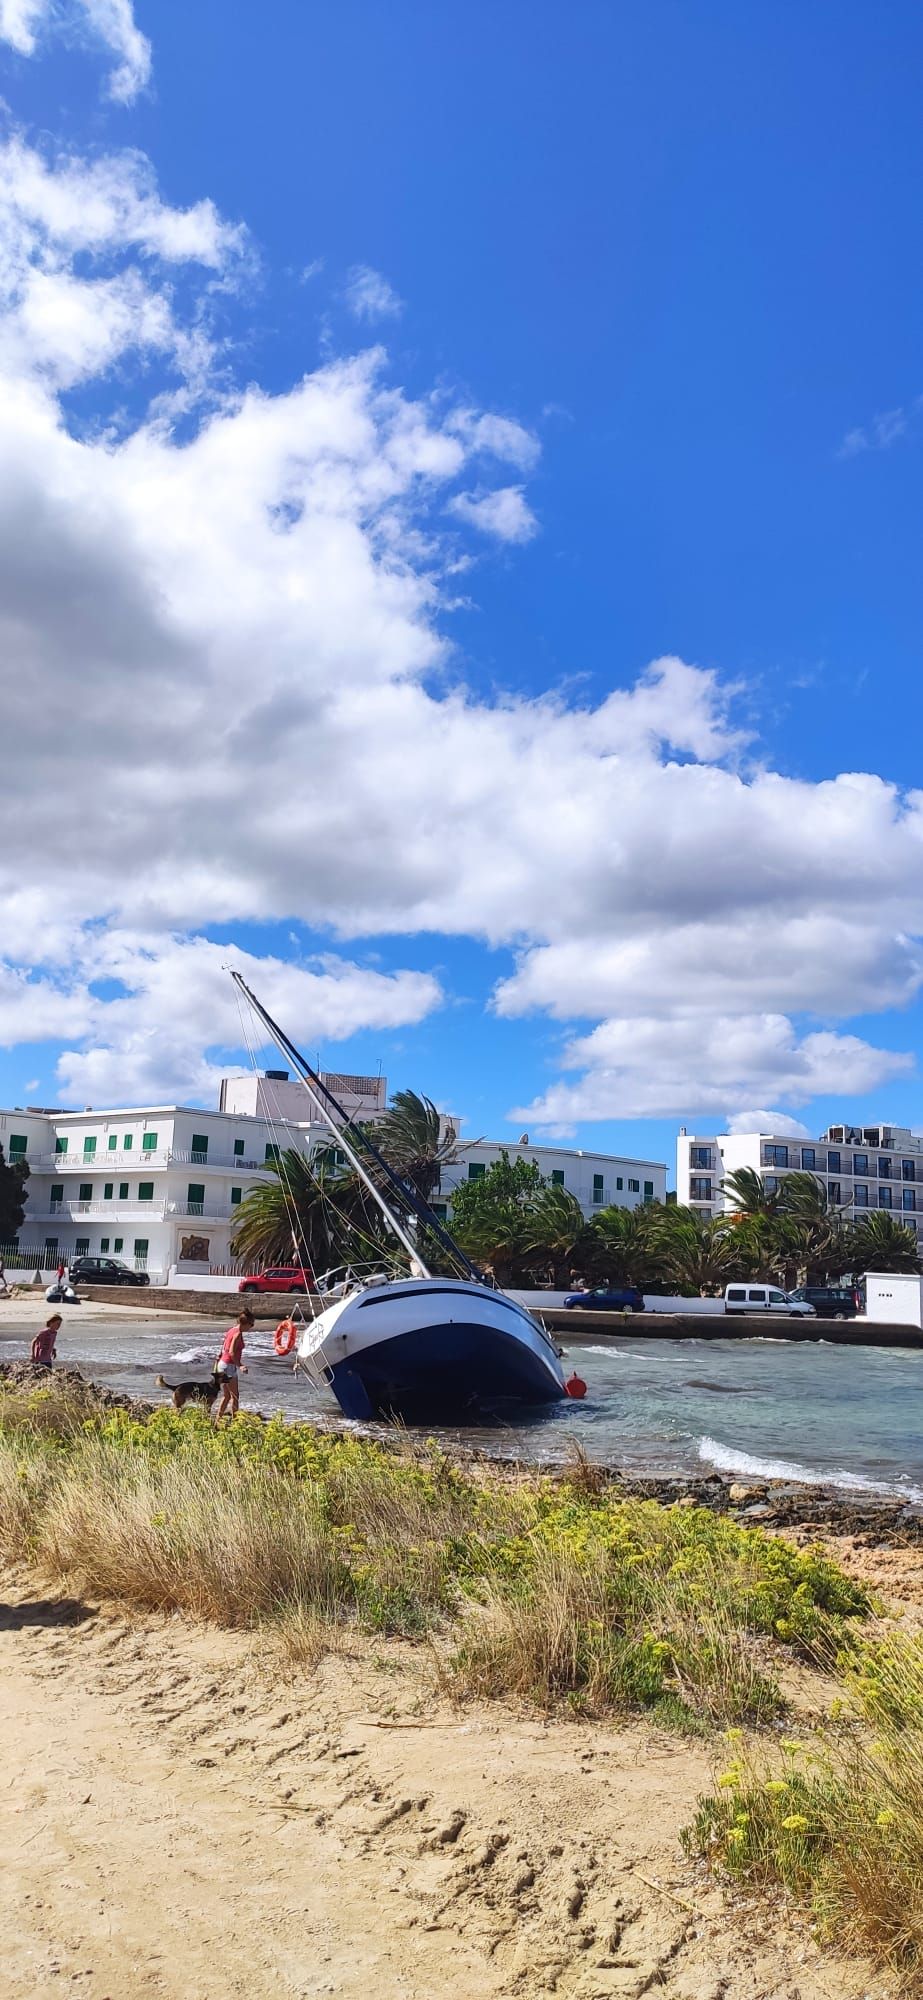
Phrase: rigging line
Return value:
(287, 1190)
(408, 1193)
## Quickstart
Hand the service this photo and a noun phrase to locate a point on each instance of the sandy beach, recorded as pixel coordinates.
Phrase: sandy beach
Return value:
(178, 1821)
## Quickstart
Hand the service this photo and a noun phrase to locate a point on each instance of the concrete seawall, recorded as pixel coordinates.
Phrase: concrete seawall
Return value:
(587, 1326)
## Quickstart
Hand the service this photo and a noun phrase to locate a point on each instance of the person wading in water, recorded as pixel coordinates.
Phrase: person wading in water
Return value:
(230, 1365)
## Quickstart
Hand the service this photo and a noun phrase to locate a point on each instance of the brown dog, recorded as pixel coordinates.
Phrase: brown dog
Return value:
(193, 1392)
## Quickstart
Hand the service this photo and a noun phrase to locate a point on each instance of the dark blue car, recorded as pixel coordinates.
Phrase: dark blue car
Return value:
(607, 1298)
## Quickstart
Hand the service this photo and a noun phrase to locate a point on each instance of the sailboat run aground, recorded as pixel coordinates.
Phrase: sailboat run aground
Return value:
(421, 1349)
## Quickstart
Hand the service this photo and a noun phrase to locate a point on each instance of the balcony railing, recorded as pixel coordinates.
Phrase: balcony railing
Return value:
(110, 1211)
(138, 1162)
(204, 1210)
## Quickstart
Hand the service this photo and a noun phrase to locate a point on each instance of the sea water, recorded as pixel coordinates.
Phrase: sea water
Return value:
(760, 1408)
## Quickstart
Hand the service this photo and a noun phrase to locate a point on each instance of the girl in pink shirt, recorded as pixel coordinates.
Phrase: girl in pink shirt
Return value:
(43, 1346)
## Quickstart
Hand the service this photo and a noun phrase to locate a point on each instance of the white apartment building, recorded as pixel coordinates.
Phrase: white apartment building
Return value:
(861, 1166)
(159, 1186)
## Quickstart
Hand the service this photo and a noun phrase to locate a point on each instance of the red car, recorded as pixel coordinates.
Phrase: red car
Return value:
(279, 1278)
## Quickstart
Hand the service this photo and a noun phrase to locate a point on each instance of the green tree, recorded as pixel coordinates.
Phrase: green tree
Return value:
(415, 1141)
(492, 1218)
(750, 1194)
(696, 1253)
(13, 1178)
(880, 1242)
(310, 1210)
(625, 1249)
(558, 1234)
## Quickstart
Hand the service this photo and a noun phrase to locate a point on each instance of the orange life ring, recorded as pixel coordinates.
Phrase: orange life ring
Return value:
(285, 1336)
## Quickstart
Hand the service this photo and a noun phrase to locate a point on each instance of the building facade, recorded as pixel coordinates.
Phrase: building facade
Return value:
(159, 1186)
(862, 1167)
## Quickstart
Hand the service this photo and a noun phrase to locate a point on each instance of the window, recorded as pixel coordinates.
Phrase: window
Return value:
(700, 1188)
(236, 1194)
(18, 1146)
(618, 1183)
(860, 1163)
(112, 1141)
(908, 1198)
(884, 1170)
(634, 1187)
(771, 1183)
(81, 1246)
(833, 1163)
(861, 1195)
(777, 1298)
(128, 1142)
(199, 1146)
(86, 1191)
(440, 1209)
(104, 1243)
(908, 1171)
(57, 1193)
(775, 1156)
(476, 1170)
(833, 1192)
(648, 1190)
(140, 1249)
(107, 1190)
(145, 1190)
(808, 1157)
(599, 1193)
(884, 1197)
(89, 1148)
(119, 1244)
(700, 1156)
(60, 1145)
(123, 1190)
(557, 1177)
(736, 1295)
(272, 1153)
(149, 1142)
(51, 1249)
(195, 1196)
(238, 1149)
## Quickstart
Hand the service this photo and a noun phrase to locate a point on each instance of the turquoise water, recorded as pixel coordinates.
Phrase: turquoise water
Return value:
(804, 1410)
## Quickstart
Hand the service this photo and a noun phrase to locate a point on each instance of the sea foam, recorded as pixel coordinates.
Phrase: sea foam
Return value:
(745, 1464)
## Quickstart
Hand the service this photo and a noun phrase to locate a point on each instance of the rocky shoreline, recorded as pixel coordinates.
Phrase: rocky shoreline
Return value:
(873, 1520)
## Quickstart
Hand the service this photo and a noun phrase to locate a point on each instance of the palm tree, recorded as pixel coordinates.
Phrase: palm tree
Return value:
(879, 1242)
(415, 1140)
(623, 1253)
(557, 1230)
(698, 1253)
(307, 1211)
(750, 1193)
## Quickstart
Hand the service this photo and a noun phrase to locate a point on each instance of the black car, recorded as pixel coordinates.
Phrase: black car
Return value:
(104, 1271)
(607, 1298)
(829, 1301)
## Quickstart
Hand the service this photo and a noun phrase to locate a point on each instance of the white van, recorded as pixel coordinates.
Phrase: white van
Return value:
(764, 1299)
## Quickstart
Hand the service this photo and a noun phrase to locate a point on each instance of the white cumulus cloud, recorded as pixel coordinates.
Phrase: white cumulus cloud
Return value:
(23, 23)
(369, 295)
(505, 512)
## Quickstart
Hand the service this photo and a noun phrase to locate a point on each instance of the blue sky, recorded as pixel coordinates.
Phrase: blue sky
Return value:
(677, 250)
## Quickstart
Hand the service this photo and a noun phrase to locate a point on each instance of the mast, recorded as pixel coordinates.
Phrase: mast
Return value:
(324, 1100)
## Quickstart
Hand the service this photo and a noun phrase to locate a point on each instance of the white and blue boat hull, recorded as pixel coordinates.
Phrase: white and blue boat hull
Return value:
(433, 1350)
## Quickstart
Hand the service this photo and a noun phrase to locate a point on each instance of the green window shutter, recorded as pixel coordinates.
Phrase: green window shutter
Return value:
(119, 1244)
(149, 1142)
(60, 1145)
(57, 1192)
(145, 1190)
(18, 1146)
(112, 1141)
(557, 1177)
(238, 1149)
(195, 1194)
(127, 1142)
(123, 1190)
(597, 1180)
(476, 1170)
(236, 1194)
(86, 1191)
(200, 1145)
(440, 1208)
(81, 1247)
(89, 1148)
(140, 1246)
(648, 1190)
(104, 1243)
(107, 1190)
(51, 1248)
(618, 1182)
(272, 1153)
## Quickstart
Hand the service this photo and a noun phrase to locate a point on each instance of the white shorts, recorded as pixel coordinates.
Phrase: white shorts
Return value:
(228, 1370)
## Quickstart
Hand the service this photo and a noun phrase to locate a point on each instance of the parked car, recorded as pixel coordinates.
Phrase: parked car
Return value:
(280, 1278)
(607, 1298)
(765, 1299)
(830, 1301)
(104, 1271)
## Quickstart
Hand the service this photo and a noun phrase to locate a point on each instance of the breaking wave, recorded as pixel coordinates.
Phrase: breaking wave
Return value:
(744, 1463)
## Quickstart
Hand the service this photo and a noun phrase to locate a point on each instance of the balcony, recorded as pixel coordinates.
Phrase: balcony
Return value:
(109, 1211)
(138, 1162)
(204, 1211)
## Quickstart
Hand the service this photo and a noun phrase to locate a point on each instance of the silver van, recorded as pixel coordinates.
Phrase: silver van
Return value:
(764, 1299)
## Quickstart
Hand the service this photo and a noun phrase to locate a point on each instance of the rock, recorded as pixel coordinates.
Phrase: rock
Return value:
(738, 1494)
